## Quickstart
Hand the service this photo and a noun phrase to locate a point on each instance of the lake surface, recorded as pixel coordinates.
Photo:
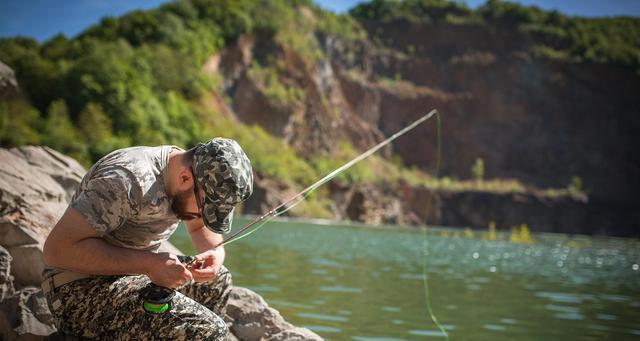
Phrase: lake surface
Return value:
(366, 284)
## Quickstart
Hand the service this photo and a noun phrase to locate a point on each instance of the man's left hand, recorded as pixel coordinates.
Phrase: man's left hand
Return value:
(206, 266)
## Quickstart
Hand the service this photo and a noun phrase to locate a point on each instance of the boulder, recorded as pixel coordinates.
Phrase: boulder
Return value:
(31, 202)
(25, 316)
(6, 280)
(252, 319)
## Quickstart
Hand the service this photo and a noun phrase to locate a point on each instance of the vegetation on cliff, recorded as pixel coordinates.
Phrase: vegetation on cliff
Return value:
(138, 79)
(556, 36)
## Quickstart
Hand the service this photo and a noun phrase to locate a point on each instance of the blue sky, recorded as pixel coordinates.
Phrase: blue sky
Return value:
(43, 19)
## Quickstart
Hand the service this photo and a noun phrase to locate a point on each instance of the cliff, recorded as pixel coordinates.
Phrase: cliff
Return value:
(540, 105)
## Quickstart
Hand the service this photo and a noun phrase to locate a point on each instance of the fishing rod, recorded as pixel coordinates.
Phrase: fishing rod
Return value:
(297, 198)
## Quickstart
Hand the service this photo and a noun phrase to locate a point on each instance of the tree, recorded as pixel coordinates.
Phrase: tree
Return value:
(60, 134)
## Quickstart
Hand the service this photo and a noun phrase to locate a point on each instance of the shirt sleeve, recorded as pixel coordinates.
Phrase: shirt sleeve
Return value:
(106, 201)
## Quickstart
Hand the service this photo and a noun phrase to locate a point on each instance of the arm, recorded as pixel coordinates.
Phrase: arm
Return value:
(74, 245)
(204, 241)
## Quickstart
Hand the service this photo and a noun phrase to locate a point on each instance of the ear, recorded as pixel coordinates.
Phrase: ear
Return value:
(185, 178)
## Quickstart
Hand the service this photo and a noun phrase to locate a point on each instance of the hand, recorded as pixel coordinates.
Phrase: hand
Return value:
(167, 271)
(207, 265)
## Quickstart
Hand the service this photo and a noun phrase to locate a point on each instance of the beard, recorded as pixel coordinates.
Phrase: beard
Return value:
(180, 205)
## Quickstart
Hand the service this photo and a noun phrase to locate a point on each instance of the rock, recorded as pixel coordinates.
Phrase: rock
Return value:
(66, 171)
(29, 208)
(8, 82)
(6, 280)
(25, 316)
(253, 319)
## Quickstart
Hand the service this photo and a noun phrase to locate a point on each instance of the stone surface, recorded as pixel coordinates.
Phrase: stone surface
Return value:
(8, 83)
(25, 316)
(253, 319)
(31, 202)
(66, 171)
(6, 280)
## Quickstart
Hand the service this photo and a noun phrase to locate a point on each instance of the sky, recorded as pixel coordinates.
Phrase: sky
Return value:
(42, 19)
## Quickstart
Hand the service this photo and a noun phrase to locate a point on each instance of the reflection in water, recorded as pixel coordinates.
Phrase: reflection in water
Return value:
(353, 283)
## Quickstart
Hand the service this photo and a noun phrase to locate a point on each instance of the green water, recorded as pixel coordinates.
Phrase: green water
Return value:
(358, 283)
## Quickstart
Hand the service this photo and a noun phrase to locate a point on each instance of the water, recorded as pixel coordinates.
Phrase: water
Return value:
(366, 284)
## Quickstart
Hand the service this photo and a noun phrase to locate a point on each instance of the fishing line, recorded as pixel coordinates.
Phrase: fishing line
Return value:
(425, 243)
(297, 198)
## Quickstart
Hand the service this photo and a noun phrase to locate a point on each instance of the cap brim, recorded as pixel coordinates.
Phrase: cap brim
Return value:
(216, 217)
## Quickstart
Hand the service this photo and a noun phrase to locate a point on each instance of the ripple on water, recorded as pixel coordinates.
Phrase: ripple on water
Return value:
(421, 332)
(323, 329)
(562, 308)
(263, 288)
(340, 288)
(291, 304)
(324, 317)
(606, 317)
(391, 309)
(494, 327)
(570, 316)
(419, 277)
(615, 298)
(508, 321)
(368, 338)
(560, 297)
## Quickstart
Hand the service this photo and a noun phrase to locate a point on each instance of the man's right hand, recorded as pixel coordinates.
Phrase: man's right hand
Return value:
(167, 271)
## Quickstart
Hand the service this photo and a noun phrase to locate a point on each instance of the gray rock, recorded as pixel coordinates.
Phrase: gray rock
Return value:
(8, 82)
(66, 171)
(6, 280)
(31, 202)
(25, 316)
(253, 319)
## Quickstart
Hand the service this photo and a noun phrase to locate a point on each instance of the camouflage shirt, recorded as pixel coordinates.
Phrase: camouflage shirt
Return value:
(124, 198)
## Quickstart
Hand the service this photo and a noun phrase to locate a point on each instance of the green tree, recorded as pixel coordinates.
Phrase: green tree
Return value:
(18, 123)
(60, 134)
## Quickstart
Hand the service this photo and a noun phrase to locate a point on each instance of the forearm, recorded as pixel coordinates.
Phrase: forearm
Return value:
(204, 240)
(97, 257)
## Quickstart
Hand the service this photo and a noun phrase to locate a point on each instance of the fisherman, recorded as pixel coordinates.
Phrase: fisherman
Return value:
(104, 250)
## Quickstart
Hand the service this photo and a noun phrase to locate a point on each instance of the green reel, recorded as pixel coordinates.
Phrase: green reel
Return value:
(155, 299)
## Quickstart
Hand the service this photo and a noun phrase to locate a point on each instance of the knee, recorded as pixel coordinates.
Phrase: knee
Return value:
(224, 277)
(211, 328)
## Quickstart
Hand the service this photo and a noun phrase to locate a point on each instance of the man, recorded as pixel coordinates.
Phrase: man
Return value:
(127, 204)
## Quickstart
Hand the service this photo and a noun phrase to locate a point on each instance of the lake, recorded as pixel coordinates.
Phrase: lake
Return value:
(353, 282)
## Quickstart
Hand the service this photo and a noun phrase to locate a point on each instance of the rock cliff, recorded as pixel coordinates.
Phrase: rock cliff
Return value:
(540, 121)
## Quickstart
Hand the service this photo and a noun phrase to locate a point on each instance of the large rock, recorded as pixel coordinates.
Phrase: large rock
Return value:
(252, 319)
(31, 202)
(25, 316)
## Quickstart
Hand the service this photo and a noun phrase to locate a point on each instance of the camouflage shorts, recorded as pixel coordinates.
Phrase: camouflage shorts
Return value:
(109, 308)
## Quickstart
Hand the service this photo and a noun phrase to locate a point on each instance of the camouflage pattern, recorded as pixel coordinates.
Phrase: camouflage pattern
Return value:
(224, 172)
(123, 197)
(109, 308)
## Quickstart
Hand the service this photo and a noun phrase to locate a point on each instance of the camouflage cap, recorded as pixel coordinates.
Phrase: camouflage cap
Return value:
(223, 171)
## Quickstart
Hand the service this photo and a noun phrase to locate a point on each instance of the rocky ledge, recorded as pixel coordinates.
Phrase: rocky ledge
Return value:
(35, 186)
